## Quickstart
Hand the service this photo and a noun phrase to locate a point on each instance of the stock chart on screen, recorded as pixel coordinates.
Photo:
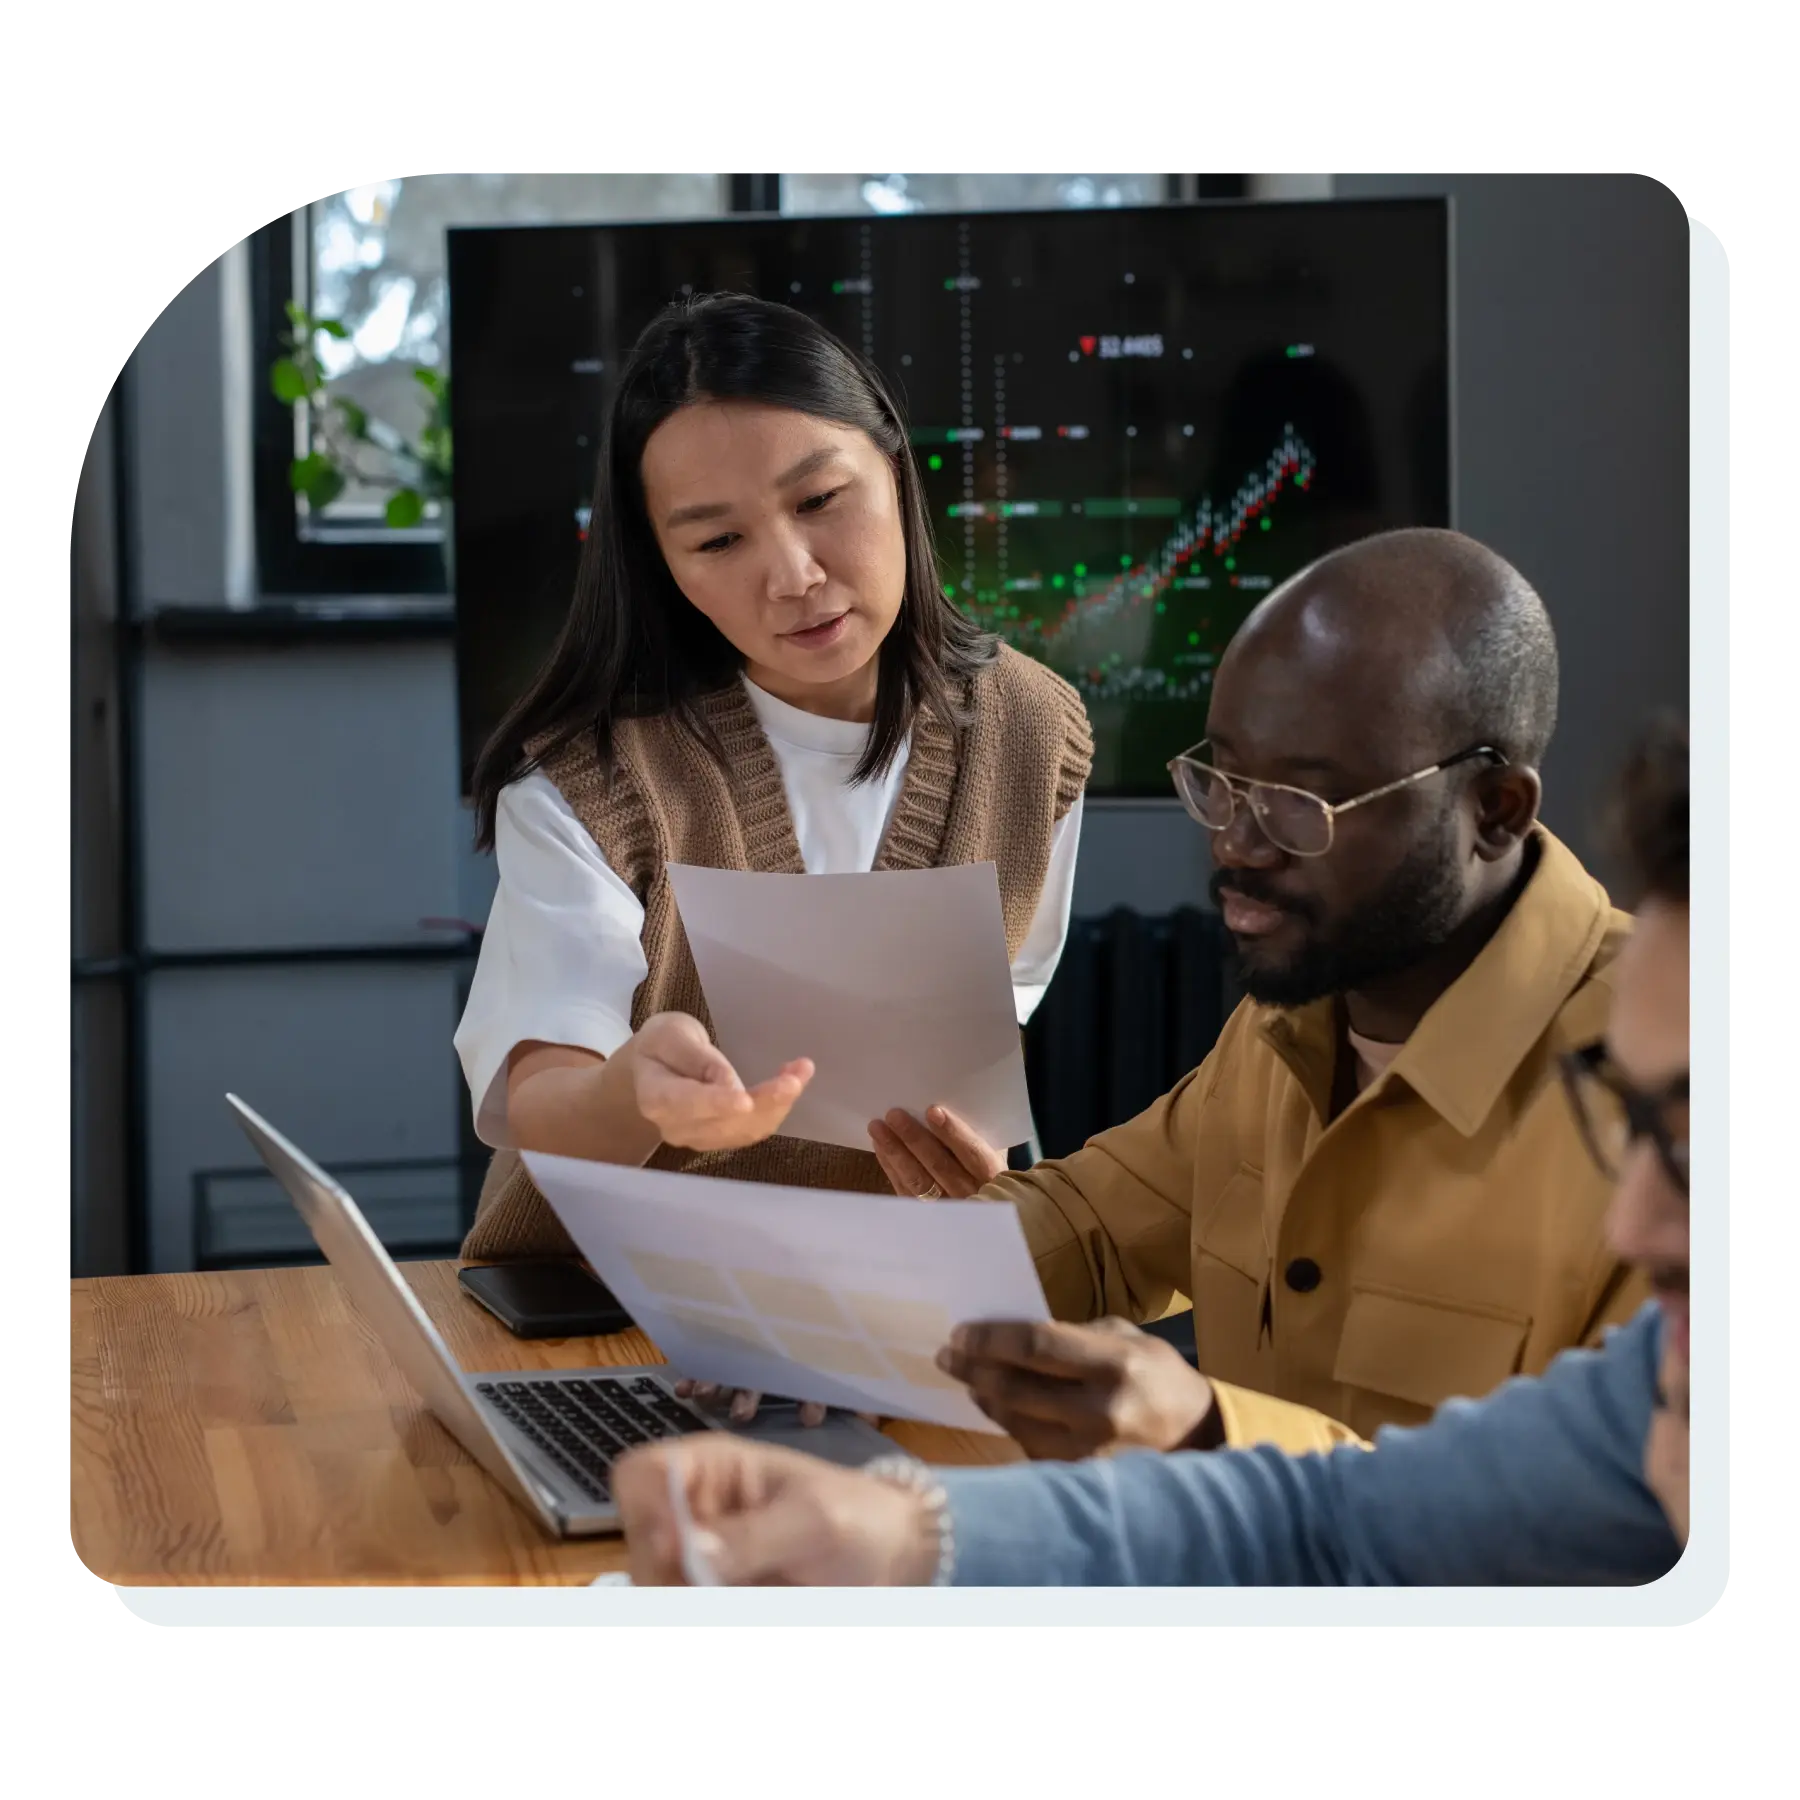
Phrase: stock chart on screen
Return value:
(1131, 424)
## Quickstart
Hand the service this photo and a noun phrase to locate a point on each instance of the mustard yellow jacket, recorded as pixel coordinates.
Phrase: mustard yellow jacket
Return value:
(1445, 1231)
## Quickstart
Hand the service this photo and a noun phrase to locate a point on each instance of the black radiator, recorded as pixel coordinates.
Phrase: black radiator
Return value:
(1136, 1002)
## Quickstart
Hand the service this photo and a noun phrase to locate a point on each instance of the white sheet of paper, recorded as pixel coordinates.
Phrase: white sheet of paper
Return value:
(895, 983)
(843, 1298)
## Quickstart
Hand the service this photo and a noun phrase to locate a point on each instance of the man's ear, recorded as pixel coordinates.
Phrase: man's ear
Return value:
(1506, 808)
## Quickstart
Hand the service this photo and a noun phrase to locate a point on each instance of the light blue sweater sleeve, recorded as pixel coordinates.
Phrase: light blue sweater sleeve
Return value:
(1539, 1484)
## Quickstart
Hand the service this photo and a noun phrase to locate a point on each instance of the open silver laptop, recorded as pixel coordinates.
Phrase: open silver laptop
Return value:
(548, 1437)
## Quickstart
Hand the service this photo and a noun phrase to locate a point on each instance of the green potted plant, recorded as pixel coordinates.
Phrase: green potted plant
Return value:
(346, 444)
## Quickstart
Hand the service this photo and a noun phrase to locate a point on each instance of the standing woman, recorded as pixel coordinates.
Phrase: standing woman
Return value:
(760, 670)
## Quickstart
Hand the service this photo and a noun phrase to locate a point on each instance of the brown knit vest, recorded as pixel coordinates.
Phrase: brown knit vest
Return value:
(1024, 759)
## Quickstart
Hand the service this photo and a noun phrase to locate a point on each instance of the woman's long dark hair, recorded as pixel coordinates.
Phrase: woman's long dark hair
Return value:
(633, 645)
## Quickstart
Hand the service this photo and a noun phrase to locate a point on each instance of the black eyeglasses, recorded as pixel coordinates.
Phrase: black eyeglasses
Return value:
(1613, 1115)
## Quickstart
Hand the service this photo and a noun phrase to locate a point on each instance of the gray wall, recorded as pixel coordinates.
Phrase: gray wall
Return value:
(97, 1209)
(292, 797)
(308, 795)
(1571, 397)
(299, 797)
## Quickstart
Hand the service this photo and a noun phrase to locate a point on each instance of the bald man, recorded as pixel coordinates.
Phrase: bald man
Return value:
(1371, 1189)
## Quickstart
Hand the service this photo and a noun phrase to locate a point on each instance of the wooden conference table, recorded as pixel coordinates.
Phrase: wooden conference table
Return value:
(248, 1428)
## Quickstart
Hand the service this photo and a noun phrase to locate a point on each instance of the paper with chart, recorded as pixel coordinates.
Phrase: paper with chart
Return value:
(844, 1298)
(895, 983)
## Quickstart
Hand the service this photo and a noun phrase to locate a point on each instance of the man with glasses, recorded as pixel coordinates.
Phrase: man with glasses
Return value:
(1577, 1477)
(1371, 1190)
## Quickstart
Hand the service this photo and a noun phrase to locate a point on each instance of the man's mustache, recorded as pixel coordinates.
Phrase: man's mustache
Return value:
(1252, 886)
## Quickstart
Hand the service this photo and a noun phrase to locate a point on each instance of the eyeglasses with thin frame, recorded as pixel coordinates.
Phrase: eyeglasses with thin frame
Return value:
(1613, 1114)
(1291, 819)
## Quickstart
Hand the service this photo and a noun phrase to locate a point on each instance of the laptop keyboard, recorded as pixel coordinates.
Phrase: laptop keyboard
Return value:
(584, 1423)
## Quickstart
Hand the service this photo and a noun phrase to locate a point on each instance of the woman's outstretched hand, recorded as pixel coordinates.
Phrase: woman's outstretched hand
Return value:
(687, 1089)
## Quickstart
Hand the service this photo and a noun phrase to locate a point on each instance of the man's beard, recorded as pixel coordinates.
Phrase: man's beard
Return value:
(1418, 909)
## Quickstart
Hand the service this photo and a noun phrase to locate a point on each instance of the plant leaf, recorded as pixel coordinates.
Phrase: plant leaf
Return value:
(317, 477)
(405, 507)
(432, 382)
(325, 490)
(332, 327)
(303, 469)
(296, 314)
(356, 421)
(289, 381)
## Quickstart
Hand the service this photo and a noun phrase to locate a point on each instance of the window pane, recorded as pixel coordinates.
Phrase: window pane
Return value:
(962, 193)
(374, 261)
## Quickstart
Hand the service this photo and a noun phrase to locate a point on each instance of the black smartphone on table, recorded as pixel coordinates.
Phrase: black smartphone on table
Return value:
(546, 1299)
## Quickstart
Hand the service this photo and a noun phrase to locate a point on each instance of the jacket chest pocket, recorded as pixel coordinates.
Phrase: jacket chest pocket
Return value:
(1426, 1351)
(1231, 1229)
(1230, 1269)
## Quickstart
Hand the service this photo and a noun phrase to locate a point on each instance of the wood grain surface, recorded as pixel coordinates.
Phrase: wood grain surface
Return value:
(247, 1428)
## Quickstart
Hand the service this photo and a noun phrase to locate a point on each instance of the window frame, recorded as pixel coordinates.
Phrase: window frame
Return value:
(288, 562)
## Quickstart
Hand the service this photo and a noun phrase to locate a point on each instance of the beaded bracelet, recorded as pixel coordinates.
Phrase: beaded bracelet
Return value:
(906, 1472)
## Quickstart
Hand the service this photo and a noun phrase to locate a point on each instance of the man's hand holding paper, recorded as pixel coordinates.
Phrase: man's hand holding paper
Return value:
(943, 1158)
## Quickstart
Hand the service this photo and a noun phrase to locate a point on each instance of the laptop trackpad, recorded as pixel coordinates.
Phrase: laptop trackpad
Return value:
(839, 1440)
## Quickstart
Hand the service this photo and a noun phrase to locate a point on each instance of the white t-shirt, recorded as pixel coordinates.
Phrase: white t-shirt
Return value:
(1372, 1057)
(563, 954)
